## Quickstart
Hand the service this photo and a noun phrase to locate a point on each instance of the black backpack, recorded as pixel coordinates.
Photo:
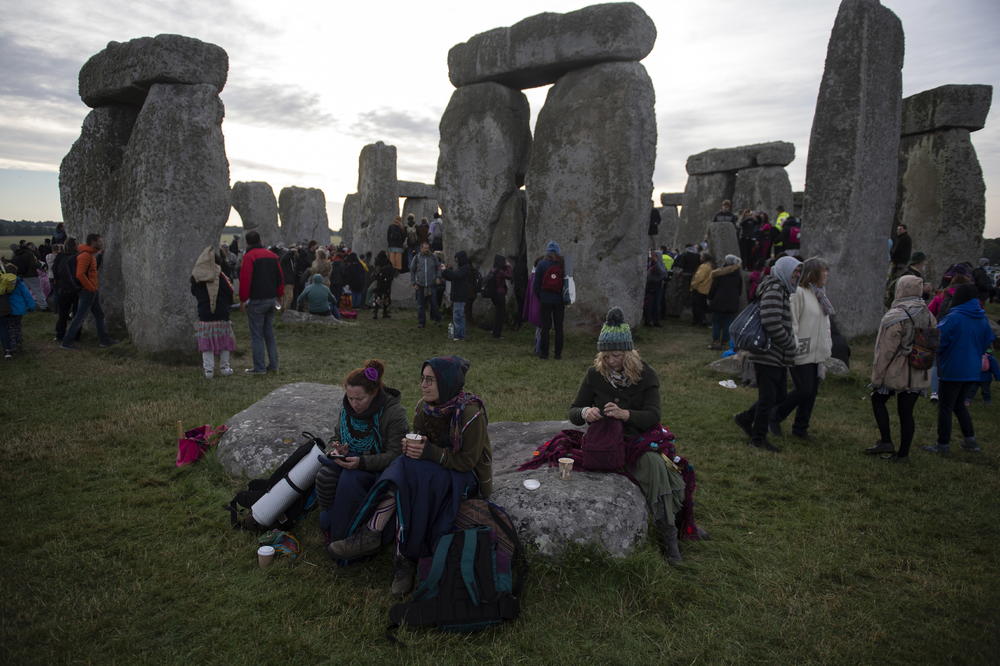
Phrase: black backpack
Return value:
(474, 578)
(239, 508)
(489, 289)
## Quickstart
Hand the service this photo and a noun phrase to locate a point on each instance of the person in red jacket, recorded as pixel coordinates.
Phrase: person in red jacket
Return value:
(90, 297)
(262, 285)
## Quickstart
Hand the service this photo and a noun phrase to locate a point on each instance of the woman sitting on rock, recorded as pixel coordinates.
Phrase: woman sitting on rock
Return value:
(621, 386)
(417, 496)
(372, 425)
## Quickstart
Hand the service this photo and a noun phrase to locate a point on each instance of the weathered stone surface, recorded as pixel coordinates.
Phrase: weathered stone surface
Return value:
(602, 510)
(175, 195)
(419, 208)
(413, 190)
(852, 169)
(402, 293)
(947, 107)
(762, 188)
(669, 222)
(255, 202)
(303, 215)
(592, 196)
(722, 240)
(508, 240)
(377, 190)
(296, 317)
(729, 365)
(834, 366)
(484, 148)
(798, 199)
(703, 197)
(672, 198)
(678, 296)
(542, 48)
(89, 193)
(774, 153)
(942, 198)
(264, 434)
(124, 71)
(349, 218)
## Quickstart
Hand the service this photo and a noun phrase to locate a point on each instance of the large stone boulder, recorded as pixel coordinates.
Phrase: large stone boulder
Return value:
(484, 148)
(542, 48)
(947, 107)
(378, 203)
(124, 71)
(419, 208)
(672, 199)
(264, 434)
(852, 169)
(349, 218)
(303, 215)
(722, 240)
(669, 223)
(89, 189)
(412, 189)
(593, 196)
(508, 241)
(175, 202)
(703, 197)
(296, 317)
(595, 509)
(762, 188)
(941, 198)
(402, 293)
(774, 153)
(255, 202)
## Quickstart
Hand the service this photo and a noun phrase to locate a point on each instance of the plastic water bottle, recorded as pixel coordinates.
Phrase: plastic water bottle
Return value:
(451, 331)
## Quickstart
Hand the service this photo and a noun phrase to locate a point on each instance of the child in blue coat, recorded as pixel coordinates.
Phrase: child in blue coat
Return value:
(12, 307)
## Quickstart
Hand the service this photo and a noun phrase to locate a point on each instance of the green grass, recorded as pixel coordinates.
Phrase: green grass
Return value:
(818, 555)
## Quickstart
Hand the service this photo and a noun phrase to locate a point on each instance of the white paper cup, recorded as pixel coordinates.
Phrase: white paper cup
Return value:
(265, 555)
(414, 436)
(565, 468)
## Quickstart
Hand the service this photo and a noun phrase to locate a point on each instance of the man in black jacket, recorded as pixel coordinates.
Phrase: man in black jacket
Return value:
(902, 246)
(461, 285)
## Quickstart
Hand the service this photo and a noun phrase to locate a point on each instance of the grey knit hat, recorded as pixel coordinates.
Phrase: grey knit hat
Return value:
(615, 335)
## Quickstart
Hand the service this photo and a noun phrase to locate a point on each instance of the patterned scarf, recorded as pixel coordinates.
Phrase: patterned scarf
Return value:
(824, 302)
(454, 408)
(362, 433)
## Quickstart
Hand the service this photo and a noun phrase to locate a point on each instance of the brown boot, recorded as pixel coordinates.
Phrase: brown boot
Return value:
(403, 573)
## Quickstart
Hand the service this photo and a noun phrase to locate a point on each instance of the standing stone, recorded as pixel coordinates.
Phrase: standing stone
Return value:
(123, 72)
(703, 197)
(485, 143)
(762, 188)
(508, 240)
(669, 222)
(542, 48)
(175, 185)
(592, 196)
(420, 208)
(88, 191)
(852, 169)
(349, 218)
(377, 191)
(722, 240)
(797, 200)
(258, 209)
(303, 215)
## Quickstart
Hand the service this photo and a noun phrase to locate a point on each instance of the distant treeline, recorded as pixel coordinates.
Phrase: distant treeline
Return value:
(26, 228)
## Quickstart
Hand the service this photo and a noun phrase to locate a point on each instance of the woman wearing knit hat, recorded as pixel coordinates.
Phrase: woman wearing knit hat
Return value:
(419, 492)
(548, 287)
(621, 386)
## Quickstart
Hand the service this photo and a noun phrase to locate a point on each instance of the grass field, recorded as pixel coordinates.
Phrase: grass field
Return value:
(818, 554)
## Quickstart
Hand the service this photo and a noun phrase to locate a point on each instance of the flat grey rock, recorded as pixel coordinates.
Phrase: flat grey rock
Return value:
(542, 48)
(703, 196)
(255, 202)
(672, 198)
(175, 202)
(123, 72)
(303, 215)
(378, 198)
(89, 191)
(834, 366)
(349, 218)
(774, 153)
(729, 365)
(484, 148)
(947, 107)
(402, 294)
(592, 196)
(413, 190)
(602, 510)
(853, 163)
(264, 434)
(296, 317)
(762, 188)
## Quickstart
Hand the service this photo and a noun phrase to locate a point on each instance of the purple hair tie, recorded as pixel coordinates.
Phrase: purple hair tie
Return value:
(371, 374)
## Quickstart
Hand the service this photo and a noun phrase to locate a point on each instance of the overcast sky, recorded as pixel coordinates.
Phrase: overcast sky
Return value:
(311, 82)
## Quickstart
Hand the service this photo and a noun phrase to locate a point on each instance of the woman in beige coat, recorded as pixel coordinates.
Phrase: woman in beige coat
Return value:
(892, 373)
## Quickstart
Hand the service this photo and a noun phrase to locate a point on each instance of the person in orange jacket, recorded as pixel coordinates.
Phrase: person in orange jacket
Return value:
(90, 297)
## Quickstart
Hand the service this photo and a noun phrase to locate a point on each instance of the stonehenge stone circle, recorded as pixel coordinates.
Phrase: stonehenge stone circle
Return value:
(703, 197)
(762, 188)
(853, 163)
(419, 208)
(378, 203)
(88, 191)
(303, 215)
(592, 196)
(672, 199)
(349, 218)
(942, 195)
(775, 153)
(175, 202)
(483, 156)
(540, 49)
(413, 190)
(255, 202)
(507, 240)
(124, 71)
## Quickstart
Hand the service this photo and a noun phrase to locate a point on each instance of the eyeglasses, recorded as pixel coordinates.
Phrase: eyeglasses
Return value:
(427, 379)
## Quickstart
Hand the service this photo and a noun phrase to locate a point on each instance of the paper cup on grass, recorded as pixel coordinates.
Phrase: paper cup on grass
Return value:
(565, 468)
(265, 555)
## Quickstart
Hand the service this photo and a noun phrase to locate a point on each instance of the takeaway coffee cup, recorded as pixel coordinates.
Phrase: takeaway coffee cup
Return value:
(265, 555)
(565, 468)
(414, 436)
